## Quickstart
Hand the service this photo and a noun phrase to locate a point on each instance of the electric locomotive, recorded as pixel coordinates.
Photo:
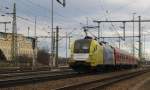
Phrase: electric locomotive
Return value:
(88, 54)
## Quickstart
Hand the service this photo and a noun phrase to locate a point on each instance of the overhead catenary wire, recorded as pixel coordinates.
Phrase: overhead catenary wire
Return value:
(27, 6)
(48, 10)
(107, 17)
(28, 9)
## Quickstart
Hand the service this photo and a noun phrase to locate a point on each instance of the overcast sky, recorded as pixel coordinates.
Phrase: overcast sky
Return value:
(74, 16)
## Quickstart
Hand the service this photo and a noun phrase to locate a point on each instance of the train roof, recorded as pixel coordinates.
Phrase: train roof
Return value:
(121, 51)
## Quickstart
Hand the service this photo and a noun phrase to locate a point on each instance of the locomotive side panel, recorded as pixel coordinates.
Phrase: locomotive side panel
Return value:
(108, 55)
(96, 54)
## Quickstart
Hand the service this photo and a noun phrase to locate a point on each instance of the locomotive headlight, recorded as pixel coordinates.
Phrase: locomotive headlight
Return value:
(85, 47)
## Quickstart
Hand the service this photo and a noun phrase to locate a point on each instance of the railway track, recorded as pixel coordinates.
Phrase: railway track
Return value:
(13, 79)
(101, 83)
(21, 78)
(29, 69)
(25, 73)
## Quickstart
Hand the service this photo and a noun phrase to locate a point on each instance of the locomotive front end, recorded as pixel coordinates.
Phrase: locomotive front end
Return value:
(80, 55)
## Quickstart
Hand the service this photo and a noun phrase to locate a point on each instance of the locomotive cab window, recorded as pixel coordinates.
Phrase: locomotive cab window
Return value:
(82, 46)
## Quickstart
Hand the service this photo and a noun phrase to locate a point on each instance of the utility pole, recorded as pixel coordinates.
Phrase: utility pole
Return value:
(66, 45)
(140, 44)
(119, 42)
(133, 35)
(87, 21)
(69, 41)
(14, 35)
(143, 43)
(5, 27)
(34, 48)
(124, 29)
(52, 25)
(28, 31)
(63, 3)
(98, 31)
(144, 46)
(57, 39)
(54, 54)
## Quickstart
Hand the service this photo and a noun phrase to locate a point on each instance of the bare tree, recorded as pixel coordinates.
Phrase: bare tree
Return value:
(2, 56)
(43, 57)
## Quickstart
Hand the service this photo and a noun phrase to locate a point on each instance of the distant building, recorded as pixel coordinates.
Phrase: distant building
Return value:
(24, 45)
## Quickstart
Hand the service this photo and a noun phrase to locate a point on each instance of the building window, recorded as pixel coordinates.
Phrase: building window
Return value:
(1, 35)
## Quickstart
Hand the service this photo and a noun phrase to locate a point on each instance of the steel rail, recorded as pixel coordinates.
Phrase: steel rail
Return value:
(16, 74)
(97, 84)
(33, 77)
(7, 70)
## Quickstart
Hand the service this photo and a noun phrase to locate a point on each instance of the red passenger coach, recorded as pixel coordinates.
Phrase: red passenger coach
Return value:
(124, 59)
(129, 59)
(117, 56)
